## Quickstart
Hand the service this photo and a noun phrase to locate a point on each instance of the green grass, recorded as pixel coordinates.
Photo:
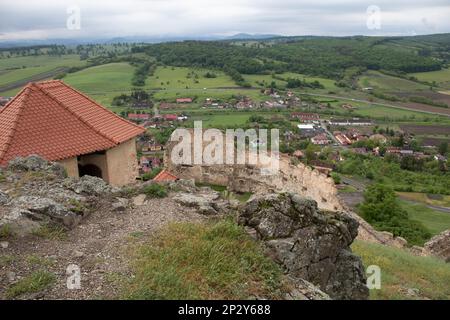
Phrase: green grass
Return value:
(256, 79)
(178, 78)
(401, 270)
(442, 77)
(104, 82)
(434, 200)
(6, 232)
(388, 83)
(51, 232)
(22, 68)
(155, 191)
(202, 261)
(435, 221)
(35, 282)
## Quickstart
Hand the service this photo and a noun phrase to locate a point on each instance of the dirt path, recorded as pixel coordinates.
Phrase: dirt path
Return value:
(98, 246)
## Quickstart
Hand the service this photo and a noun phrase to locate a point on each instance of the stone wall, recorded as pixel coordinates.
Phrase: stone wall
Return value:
(298, 178)
(122, 163)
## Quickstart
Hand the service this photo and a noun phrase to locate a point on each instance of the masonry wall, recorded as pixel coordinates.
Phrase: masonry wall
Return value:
(71, 166)
(100, 160)
(122, 163)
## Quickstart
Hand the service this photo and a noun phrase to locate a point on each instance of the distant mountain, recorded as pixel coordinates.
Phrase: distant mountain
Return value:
(134, 39)
(247, 36)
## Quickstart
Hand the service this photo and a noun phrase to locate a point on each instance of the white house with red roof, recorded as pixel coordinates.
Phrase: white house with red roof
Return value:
(59, 123)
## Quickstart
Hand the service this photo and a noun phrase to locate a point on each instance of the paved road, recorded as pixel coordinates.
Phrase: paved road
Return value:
(374, 103)
(437, 208)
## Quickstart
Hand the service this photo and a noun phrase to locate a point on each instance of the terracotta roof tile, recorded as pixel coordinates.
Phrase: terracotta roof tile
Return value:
(57, 122)
(165, 176)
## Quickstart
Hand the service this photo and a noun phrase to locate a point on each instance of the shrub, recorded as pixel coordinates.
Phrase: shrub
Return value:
(155, 191)
(150, 175)
(382, 210)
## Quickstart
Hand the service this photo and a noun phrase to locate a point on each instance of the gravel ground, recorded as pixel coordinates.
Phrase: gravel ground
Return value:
(98, 246)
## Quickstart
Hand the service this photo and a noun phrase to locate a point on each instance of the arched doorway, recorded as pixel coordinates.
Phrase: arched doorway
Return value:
(89, 170)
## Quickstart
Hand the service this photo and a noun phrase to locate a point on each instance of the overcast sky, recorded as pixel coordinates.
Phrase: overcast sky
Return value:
(43, 19)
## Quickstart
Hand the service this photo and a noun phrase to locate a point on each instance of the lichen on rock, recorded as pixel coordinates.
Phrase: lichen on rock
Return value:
(310, 244)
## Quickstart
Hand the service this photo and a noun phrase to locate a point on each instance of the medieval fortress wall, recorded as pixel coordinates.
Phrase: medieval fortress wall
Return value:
(298, 178)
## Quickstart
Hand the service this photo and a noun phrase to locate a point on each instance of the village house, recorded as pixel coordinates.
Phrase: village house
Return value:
(138, 116)
(306, 117)
(342, 138)
(320, 139)
(184, 100)
(170, 117)
(58, 123)
(350, 122)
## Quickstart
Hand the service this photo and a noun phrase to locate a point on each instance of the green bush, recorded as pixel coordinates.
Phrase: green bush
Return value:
(150, 175)
(383, 211)
(155, 191)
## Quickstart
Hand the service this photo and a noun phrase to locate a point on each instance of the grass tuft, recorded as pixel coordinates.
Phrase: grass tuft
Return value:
(35, 282)
(400, 271)
(202, 261)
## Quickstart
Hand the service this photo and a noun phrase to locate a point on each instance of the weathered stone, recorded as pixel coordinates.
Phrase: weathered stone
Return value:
(120, 205)
(90, 185)
(310, 244)
(36, 163)
(4, 244)
(439, 246)
(304, 290)
(4, 198)
(203, 203)
(78, 254)
(43, 209)
(139, 200)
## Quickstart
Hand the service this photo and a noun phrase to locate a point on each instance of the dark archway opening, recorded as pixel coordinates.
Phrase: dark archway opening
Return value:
(89, 170)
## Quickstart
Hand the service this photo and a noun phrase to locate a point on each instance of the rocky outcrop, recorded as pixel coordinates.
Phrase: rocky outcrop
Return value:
(38, 192)
(310, 244)
(439, 246)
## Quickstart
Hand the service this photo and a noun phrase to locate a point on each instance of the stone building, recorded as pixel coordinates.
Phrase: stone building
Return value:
(58, 123)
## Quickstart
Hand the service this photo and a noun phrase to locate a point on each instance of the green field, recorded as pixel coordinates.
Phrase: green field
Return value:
(187, 78)
(388, 83)
(22, 68)
(435, 221)
(441, 77)
(104, 82)
(426, 277)
(257, 79)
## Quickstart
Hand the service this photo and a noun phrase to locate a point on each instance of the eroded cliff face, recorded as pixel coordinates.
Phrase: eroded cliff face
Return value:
(298, 178)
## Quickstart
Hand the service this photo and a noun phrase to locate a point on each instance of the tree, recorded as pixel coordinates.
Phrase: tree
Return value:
(382, 210)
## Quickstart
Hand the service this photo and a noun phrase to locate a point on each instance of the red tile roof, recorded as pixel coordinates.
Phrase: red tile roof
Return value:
(57, 122)
(165, 176)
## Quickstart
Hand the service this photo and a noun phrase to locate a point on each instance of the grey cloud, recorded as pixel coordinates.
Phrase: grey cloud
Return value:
(45, 18)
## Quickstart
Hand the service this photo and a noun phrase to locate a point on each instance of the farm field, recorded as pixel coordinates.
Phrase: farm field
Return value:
(377, 80)
(257, 79)
(429, 129)
(184, 78)
(441, 77)
(16, 72)
(103, 82)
